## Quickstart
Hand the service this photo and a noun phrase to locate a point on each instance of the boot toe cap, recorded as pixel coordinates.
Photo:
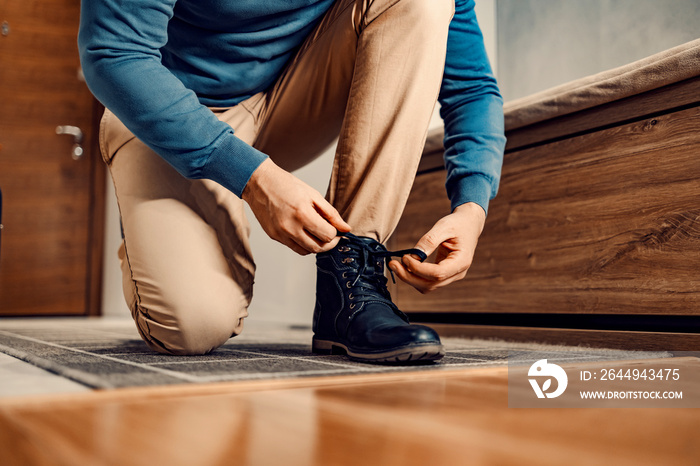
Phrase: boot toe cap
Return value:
(400, 336)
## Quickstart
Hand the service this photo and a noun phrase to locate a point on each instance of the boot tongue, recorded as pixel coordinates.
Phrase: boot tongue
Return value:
(369, 243)
(374, 265)
(373, 268)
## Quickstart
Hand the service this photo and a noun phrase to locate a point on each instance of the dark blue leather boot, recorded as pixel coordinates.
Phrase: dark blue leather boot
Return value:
(354, 314)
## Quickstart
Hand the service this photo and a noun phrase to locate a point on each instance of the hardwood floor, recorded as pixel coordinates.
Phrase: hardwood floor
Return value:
(458, 417)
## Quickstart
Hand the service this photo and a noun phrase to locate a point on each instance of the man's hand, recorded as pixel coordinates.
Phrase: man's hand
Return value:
(455, 237)
(292, 212)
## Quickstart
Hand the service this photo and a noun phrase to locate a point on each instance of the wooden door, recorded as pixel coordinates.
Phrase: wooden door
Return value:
(52, 202)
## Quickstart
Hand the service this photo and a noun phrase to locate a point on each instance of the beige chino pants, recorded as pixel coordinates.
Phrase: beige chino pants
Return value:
(369, 73)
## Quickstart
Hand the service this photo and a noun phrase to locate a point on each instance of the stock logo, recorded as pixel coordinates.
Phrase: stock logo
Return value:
(541, 369)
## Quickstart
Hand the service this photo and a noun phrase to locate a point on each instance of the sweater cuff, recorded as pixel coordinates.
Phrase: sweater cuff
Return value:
(473, 188)
(232, 164)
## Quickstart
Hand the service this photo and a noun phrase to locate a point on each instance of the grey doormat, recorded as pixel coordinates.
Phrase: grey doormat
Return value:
(108, 353)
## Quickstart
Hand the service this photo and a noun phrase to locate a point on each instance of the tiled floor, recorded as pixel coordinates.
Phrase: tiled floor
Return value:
(104, 353)
(20, 378)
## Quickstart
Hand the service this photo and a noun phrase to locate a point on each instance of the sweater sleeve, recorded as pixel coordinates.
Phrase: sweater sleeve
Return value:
(119, 43)
(472, 110)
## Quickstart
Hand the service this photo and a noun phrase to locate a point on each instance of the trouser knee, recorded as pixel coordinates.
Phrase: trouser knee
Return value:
(195, 332)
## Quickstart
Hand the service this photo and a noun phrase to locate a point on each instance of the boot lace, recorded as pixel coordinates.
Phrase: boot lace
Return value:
(369, 259)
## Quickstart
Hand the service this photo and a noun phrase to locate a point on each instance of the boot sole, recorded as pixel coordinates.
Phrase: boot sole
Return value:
(413, 354)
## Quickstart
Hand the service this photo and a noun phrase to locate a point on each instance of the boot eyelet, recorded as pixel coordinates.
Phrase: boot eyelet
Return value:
(352, 306)
(345, 275)
(343, 249)
(348, 260)
(350, 296)
(348, 284)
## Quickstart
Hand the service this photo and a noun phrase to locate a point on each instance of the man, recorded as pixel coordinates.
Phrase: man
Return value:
(212, 103)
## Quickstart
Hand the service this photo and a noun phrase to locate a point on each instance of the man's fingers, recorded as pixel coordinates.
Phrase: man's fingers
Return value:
(303, 242)
(454, 237)
(418, 283)
(309, 242)
(323, 246)
(327, 211)
(433, 272)
(320, 228)
(291, 244)
(310, 232)
(432, 239)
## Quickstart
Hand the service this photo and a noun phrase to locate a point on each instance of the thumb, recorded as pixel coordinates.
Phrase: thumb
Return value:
(329, 212)
(431, 240)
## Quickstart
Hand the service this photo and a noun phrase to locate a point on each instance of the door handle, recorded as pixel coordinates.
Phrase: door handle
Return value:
(77, 133)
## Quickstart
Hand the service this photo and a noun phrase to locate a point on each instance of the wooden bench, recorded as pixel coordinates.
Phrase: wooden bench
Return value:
(594, 237)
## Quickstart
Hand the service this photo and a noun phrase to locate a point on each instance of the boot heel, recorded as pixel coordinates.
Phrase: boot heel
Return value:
(326, 347)
(321, 346)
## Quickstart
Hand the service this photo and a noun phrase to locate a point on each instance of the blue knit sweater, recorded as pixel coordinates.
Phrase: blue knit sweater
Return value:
(158, 64)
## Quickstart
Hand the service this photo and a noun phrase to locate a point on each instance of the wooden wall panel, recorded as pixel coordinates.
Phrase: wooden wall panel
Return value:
(606, 222)
(665, 99)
